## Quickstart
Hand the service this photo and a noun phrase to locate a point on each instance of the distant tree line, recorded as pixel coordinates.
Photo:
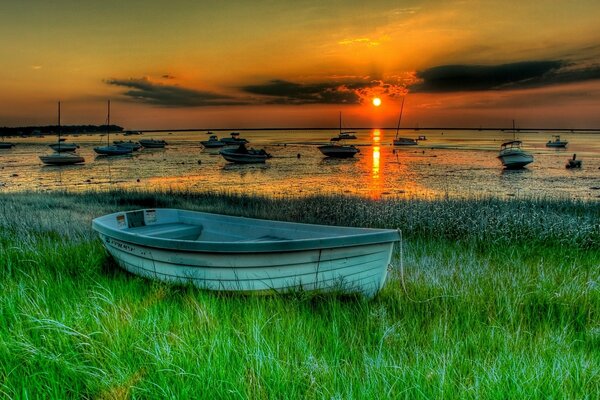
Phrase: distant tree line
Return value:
(53, 129)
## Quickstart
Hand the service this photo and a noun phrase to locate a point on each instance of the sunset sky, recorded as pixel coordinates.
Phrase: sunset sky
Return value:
(185, 64)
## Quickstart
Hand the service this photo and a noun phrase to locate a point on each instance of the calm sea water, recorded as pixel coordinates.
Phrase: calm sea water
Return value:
(452, 163)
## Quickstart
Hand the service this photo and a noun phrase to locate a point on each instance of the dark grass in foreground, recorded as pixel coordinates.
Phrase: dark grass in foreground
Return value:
(500, 299)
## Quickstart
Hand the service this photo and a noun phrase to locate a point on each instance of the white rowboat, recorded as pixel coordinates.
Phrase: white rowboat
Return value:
(225, 253)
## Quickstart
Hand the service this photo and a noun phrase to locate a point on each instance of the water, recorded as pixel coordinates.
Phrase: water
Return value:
(452, 163)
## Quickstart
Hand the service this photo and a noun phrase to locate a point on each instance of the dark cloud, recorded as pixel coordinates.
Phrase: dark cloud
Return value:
(285, 92)
(455, 78)
(521, 75)
(144, 91)
(167, 76)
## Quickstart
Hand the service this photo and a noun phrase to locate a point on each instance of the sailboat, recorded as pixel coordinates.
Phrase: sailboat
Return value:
(403, 141)
(512, 155)
(339, 150)
(61, 156)
(111, 150)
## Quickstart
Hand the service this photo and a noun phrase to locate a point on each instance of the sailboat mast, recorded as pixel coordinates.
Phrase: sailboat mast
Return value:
(340, 122)
(59, 126)
(400, 118)
(108, 125)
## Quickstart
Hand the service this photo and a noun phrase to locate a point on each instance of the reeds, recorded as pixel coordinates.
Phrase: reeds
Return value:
(497, 299)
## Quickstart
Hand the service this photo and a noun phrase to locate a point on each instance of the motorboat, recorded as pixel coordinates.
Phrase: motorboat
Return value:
(153, 143)
(235, 254)
(557, 143)
(212, 143)
(64, 158)
(235, 139)
(573, 162)
(242, 155)
(111, 150)
(402, 141)
(513, 156)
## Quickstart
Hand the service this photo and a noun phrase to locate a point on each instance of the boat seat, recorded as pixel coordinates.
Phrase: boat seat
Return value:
(170, 231)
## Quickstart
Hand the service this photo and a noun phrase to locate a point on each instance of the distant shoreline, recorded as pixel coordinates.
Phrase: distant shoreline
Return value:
(68, 130)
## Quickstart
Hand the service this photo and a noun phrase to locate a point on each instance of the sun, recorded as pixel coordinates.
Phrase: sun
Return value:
(376, 101)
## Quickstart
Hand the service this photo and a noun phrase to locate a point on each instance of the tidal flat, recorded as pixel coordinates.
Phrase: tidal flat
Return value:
(488, 298)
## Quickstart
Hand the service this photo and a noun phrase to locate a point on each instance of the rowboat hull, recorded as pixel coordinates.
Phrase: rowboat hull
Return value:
(356, 265)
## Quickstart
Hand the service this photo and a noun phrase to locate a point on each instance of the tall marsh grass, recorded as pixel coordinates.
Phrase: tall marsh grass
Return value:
(496, 299)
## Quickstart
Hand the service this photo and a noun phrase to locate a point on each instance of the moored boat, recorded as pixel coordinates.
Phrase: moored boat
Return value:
(339, 150)
(212, 143)
(6, 145)
(134, 146)
(61, 156)
(111, 150)
(557, 143)
(153, 143)
(226, 253)
(573, 162)
(513, 156)
(235, 139)
(402, 141)
(61, 146)
(65, 158)
(242, 155)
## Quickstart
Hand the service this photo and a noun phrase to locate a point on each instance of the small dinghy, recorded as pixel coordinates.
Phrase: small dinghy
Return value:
(225, 253)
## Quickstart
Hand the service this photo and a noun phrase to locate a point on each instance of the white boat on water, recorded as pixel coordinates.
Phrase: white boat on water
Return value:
(235, 139)
(513, 156)
(62, 159)
(212, 143)
(557, 143)
(403, 141)
(338, 150)
(111, 150)
(242, 155)
(62, 156)
(225, 253)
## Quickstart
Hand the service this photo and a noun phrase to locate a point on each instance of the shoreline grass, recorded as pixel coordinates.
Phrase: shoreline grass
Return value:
(497, 299)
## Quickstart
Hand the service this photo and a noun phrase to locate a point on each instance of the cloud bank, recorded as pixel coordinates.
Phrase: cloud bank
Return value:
(143, 90)
(521, 75)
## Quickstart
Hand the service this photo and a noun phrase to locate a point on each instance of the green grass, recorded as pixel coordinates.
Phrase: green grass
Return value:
(496, 299)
